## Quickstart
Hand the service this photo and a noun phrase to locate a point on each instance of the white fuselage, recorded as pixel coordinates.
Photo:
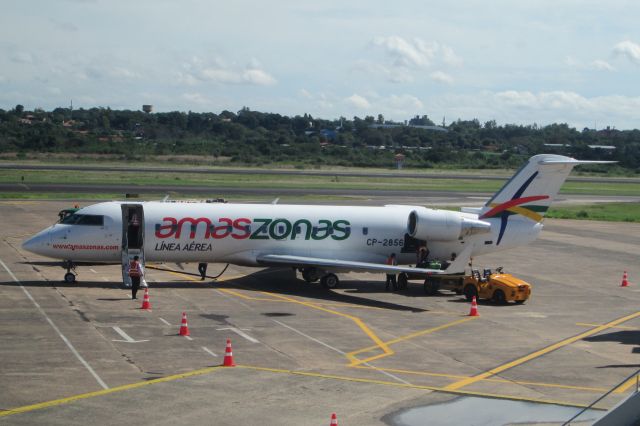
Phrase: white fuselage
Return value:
(238, 233)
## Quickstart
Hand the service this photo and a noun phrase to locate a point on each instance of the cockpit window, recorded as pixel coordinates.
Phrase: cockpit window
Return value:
(84, 219)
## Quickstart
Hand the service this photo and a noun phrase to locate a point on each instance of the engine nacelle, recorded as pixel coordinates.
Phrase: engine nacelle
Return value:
(443, 225)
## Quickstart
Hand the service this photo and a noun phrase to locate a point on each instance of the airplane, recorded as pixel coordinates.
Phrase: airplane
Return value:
(318, 241)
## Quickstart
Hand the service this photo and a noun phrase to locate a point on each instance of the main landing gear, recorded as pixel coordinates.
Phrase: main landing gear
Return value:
(70, 277)
(327, 280)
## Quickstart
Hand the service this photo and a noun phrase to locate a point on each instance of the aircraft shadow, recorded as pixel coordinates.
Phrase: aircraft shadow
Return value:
(284, 282)
(625, 337)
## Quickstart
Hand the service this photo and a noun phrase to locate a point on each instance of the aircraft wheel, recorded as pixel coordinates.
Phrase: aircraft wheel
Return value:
(403, 282)
(70, 277)
(499, 297)
(470, 291)
(330, 281)
(310, 275)
(431, 286)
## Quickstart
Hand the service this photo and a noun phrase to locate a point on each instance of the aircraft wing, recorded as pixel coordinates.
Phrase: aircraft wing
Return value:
(347, 265)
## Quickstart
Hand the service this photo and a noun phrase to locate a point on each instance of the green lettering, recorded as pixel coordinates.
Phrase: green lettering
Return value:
(296, 228)
(273, 229)
(345, 230)
(261, 229)
(326, 229)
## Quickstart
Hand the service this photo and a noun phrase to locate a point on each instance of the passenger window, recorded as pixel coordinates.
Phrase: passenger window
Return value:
(365, 230)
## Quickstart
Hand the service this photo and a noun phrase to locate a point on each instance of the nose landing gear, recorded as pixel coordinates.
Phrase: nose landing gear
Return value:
(70, 277)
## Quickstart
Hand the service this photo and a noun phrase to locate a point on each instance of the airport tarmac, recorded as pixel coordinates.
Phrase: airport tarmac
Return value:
(85, 352)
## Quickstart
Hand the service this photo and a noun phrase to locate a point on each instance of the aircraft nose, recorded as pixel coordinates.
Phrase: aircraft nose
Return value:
(38, 244)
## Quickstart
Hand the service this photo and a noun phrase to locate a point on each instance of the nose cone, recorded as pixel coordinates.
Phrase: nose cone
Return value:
(39, 243)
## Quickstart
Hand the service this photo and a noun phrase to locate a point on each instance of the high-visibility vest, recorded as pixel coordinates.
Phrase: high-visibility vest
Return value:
(134, 269)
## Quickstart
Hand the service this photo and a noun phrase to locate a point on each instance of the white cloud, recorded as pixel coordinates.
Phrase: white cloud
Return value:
(571, 61)
(120, 72)
(358, 101)
(258, 77)
(405, 103)
(305, 94)
(406, 53)
(197, 98)
(197, 71)
(187, 79)
(629, 49)
(601, 65)
(22, 58)
(441, 77)
(544, 100)
(449, 57)
(408, 58)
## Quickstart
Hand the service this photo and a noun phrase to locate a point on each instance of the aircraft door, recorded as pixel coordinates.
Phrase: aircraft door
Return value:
(132, 237)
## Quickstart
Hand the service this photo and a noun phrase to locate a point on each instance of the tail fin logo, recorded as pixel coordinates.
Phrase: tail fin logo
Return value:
(514, 206)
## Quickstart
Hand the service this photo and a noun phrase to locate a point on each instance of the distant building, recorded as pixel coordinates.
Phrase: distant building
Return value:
(147, 108)
(416, 126)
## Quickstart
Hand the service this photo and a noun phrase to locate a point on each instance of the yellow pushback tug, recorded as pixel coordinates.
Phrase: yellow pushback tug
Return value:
(496, 286)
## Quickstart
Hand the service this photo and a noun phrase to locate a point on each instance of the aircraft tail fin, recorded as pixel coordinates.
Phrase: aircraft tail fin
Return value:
(531, 190)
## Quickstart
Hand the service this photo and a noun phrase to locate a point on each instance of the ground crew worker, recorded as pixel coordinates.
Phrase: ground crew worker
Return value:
(202, 268)
(136, 272)
(391, 278)
(423, 253)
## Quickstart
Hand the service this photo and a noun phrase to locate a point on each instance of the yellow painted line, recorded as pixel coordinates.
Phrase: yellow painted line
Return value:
(623, 327)
(244, 296)
(411, 386)
(347, 305)
(539, 353)
(358, 321)
(229, 278)
(626, 385)
(403, 338)
(492, 380)
(379, 343)
(87, 395)
(412, 372)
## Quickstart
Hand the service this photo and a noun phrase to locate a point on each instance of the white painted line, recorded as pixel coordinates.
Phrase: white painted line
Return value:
(125, 336)
(62, 336)
(240, 333)
(326, 345)
(207, 350)
(165, 321)
(104, 279)
(188, 337)
(93, 270)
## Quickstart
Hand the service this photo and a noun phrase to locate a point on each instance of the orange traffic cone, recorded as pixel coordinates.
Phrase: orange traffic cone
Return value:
(228, 356)
(146, 304)
(184, 327)
(474, 308)
(625, 283)
(334, 420)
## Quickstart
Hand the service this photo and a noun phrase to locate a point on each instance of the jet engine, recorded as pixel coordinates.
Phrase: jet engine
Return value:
(443, 225)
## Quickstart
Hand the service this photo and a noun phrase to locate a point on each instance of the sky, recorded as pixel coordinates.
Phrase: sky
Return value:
(516, 62)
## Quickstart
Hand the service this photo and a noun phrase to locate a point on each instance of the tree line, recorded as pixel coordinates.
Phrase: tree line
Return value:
(250, 137)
